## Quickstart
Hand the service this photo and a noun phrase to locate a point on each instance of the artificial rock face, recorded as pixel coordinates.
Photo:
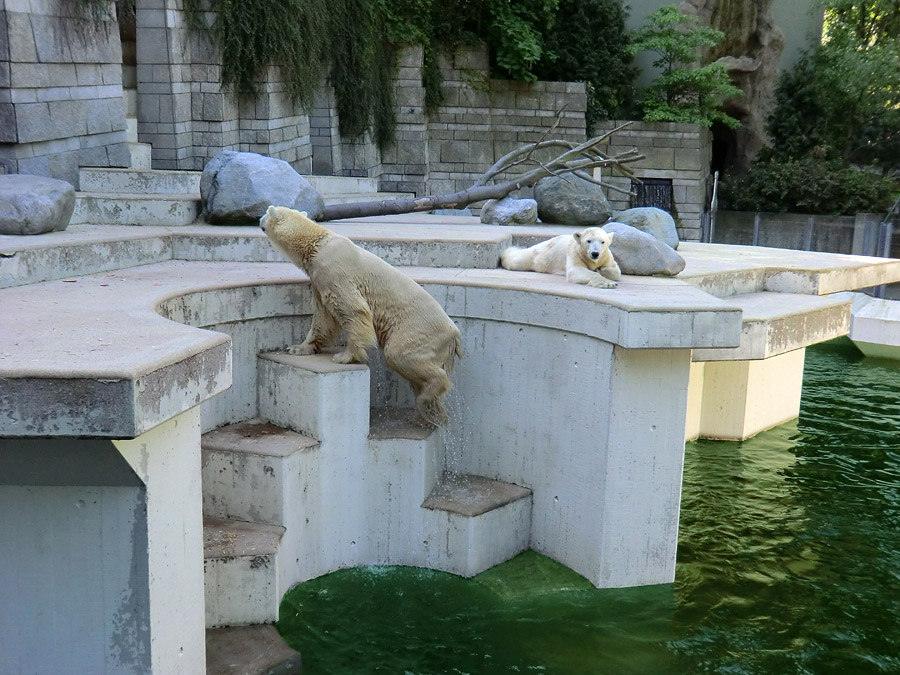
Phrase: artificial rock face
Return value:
(642, 254)
(238, 187)
(569, 200)
(34, 204)
(584, 256)
(373, 303)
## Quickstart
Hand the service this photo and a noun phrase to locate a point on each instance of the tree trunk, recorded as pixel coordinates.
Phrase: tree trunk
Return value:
(386, 207)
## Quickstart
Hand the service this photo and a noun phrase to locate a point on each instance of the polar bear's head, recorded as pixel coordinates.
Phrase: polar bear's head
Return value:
(593, 242)
(292, 232)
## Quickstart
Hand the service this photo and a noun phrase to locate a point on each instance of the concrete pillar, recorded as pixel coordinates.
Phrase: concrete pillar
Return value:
(742, 398)
(101, 563)
(638, 521)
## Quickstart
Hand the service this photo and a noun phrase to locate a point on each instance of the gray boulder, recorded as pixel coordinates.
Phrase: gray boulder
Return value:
(509, 211)
(34, 204)
(642, 254)
(238, 187)
(569, 200)
(652, 221)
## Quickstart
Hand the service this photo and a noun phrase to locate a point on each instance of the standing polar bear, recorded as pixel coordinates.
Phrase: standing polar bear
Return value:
(581, 255)
(373, 303)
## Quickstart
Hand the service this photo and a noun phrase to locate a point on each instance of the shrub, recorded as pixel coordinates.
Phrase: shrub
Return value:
(807, 185)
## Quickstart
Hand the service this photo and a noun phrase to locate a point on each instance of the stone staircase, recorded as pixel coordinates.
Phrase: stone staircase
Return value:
(322, 480)
(144, 196)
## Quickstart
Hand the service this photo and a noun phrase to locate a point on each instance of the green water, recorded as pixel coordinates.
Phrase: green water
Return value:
(788, 562)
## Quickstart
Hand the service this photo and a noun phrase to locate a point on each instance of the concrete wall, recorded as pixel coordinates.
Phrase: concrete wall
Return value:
(857, 235)
(678, 152)
(61, 103)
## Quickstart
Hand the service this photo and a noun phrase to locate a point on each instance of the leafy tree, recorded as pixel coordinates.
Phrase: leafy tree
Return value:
(684, 91)
(588, 43)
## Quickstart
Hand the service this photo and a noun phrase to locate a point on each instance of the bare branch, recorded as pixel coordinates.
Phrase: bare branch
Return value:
(579, 159)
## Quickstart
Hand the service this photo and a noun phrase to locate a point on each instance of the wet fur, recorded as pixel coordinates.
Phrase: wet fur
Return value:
(374, 304)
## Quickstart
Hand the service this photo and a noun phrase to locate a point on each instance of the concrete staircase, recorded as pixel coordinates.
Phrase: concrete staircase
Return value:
(321, 481)
(144, 196)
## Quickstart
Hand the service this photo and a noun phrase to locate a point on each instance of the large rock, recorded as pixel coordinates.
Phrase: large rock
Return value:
(238, 187)
(509, 211)
(652, 221)
(642, 254)
(569, 200)
(34, 204)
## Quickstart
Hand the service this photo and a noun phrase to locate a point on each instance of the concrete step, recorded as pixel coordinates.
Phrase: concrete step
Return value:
(473, 523)
(131, 181)
(405, 460)
(249, 650)
(240, 563)
(135, 209)
(255, 471)
(342, 184)
(313, 395)
(141, 155)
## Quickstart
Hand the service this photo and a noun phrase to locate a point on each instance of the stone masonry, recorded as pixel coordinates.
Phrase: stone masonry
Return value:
(678, 152)
(481, 120)
(61, 104)
(183, 110)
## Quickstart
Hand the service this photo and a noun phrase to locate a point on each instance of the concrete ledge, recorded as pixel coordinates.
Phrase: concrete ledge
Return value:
(776, 323)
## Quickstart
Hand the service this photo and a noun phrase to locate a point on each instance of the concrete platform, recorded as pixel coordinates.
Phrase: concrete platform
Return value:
(875, 326)
(122, 344)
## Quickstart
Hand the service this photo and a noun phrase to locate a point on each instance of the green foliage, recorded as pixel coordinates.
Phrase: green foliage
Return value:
(588, 44)
(683, 91)
(516, 34)
(835, 125)
(807, 185)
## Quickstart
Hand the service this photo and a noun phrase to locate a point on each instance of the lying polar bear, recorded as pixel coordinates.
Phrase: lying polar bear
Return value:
(580, 254)
(373, 303)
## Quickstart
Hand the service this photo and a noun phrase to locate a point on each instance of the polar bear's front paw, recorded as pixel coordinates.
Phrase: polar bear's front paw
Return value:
(304, 349)
(346, 357)
(600, 282)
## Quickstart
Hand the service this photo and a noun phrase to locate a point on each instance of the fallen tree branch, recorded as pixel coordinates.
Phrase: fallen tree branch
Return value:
(578, 159)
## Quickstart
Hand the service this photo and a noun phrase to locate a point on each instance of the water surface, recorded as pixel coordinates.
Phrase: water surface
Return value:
(788, 562)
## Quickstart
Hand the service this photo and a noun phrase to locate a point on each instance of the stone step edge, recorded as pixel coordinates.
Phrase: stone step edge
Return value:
(239, 650)
(257, 437)
(138, 196)
(471, 496)
(238, 539)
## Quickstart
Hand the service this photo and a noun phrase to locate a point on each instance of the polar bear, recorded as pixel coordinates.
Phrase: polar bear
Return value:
(373, 303)
(581, 255)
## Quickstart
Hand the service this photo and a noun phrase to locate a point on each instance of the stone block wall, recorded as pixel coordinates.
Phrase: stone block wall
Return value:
(183, 110)
(481, 120)
(678, 152)
(61, 104)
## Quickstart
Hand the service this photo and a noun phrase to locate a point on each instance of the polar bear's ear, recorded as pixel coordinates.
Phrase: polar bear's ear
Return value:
(303, 213)
(577, 236)
(609, 236)
(270, 212)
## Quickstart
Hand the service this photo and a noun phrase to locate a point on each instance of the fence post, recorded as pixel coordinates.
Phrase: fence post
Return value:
(808, 235)
(756, 229)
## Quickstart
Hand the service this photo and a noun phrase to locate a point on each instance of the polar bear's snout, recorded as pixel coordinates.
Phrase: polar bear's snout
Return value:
(595, 249)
